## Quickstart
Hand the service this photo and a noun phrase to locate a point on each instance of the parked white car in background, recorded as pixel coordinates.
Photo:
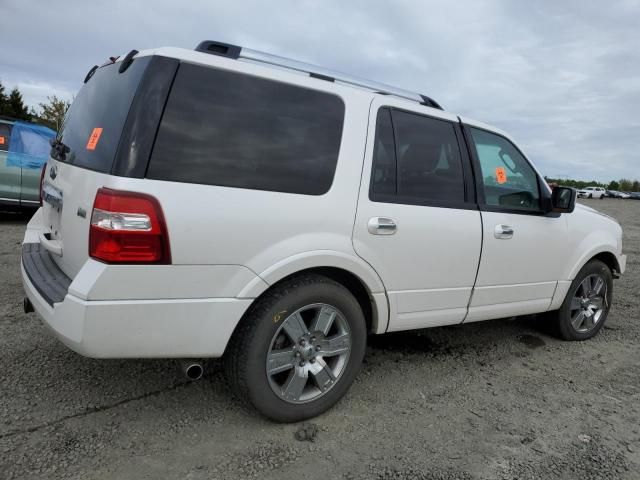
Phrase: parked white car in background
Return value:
(592, 192)
(210, 204)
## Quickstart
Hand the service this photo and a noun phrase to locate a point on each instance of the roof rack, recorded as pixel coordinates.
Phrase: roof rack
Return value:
(236, 52)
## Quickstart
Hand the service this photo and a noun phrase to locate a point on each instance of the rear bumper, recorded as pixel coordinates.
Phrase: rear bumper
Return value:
(173, 328)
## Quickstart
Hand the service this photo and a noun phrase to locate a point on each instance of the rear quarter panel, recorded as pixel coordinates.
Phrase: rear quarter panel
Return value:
(216, 225)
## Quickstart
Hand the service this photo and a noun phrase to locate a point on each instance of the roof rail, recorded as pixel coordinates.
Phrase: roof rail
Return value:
(236, 52)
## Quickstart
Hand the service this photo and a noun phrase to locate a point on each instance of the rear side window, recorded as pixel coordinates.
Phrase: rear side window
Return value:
(416, 160)
(230, 129)
(5, 135)
(96, 118)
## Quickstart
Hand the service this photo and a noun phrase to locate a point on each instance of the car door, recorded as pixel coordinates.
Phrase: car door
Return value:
(34, 152)
(9, 170)
(523, 248)
(417, 223)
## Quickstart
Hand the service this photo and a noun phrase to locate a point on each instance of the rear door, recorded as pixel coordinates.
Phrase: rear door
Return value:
(417, 223)
(523, 249)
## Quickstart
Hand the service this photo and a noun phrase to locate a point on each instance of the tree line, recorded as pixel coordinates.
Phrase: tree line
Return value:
(51, 113)
(622, 185)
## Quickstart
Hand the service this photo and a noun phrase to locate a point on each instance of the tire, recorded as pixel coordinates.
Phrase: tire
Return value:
(590, 195)
(568, 325)
(265, 334)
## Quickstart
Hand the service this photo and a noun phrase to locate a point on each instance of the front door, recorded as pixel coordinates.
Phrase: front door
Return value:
(523, 250)
(417, 223)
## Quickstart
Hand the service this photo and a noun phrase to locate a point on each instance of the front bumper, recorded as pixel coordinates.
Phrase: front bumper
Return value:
(160, 328)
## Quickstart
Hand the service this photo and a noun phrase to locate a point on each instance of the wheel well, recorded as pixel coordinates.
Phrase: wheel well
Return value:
(609, 259)
(347, 280)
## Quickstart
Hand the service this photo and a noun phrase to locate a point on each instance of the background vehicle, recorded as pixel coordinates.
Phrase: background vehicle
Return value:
(634, 195)
(24, 148)
(617, 194)
(276, 216)
(592, 192)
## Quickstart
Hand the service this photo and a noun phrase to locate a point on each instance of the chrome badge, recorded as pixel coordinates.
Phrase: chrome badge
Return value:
(53, 172)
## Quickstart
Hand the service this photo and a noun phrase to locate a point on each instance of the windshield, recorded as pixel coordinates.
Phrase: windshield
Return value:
(95, 120)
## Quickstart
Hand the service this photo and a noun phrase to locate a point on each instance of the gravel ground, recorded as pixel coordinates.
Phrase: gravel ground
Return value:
(498, 399)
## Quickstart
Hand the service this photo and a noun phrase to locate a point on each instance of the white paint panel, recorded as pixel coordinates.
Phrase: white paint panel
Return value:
(434, 318)
(512, 293)
(559, 295)
(410, 301)
(503, 310)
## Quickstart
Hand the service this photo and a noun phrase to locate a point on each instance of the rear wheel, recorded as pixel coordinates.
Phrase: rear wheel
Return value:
(587, 303)
(297, 350)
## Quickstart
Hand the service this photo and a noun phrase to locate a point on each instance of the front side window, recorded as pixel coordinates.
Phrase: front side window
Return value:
(416, 160)
(509, 180)
(235, 130)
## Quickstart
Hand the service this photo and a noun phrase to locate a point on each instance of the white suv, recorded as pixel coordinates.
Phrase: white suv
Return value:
(592, 192)
(227, 203)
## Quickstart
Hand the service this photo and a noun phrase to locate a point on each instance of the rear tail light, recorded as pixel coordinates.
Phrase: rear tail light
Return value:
(44, 169)
(128, 227)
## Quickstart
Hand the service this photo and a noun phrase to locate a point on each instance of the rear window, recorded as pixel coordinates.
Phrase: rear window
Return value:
(230, 129)
(95, 120)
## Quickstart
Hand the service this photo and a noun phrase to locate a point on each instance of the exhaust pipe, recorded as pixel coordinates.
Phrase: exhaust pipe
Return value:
(192, 369)
(27, 305)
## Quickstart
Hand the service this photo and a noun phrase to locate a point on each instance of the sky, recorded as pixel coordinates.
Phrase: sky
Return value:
(561, 77)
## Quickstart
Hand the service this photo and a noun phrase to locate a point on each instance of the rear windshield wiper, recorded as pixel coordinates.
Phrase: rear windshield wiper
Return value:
(58, 149)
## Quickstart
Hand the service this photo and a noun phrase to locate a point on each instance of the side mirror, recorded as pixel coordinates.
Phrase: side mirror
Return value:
(563, 199)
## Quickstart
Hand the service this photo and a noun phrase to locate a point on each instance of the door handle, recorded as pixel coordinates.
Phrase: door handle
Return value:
(503, 232)
(381, 226)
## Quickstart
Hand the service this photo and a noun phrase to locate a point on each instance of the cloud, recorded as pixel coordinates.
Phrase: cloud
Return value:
(562, 77)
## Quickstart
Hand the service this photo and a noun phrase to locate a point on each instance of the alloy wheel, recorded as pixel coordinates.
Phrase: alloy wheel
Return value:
(308, 353)
(589, 303)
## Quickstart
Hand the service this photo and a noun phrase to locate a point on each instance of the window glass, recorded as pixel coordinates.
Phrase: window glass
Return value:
(5, 135)
(230, 129)
(383, 175)
(429, 162)
(509, 180)
(96, 118)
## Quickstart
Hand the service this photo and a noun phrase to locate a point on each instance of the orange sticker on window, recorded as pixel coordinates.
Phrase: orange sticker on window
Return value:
(93, 138)
(501, 175)
(1, 140)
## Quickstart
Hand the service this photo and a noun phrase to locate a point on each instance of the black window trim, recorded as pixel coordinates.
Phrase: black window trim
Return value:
(469, 202)
(543, 194)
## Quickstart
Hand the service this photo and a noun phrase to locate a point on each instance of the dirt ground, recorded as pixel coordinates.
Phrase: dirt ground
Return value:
(498, 399)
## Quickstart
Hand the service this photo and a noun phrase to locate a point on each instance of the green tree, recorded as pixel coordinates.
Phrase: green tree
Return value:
(613, 185)
(14, 106)
(52, 112)
(625, 184)
(635, 186)
(3, 99)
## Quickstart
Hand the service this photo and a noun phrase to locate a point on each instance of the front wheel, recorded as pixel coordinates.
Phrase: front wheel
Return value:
(590, 195)
(587, 303)
(298, 349)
